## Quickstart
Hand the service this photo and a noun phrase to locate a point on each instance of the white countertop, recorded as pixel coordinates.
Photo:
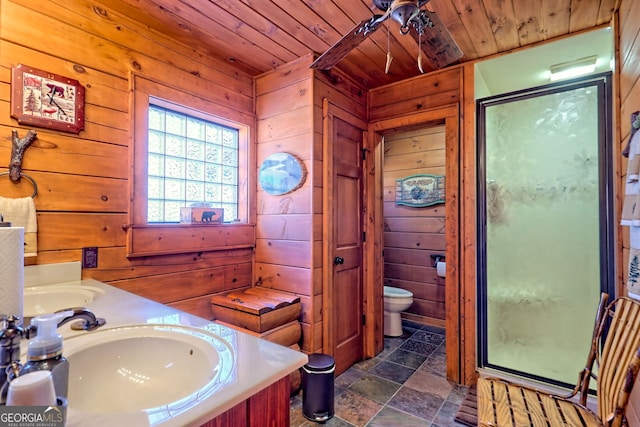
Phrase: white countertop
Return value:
(257, 363)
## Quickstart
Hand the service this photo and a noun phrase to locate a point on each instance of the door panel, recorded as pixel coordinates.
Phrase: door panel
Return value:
(544, 209)
(347, 230)
(344, 242)
(347, 210)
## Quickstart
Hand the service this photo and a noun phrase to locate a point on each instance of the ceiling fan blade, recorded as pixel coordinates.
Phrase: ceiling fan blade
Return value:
(437, 43)
(348, 42)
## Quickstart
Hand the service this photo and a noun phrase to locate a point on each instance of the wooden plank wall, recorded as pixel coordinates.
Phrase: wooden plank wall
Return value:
(83, 179)
(288, 254)
(284, 224)
(412, 235)
(628, 60)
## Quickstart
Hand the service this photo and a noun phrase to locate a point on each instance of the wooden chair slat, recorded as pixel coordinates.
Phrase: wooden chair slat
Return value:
(485, 406)
(575, 416)
(501, 404)
(535, 407)
(554, 415)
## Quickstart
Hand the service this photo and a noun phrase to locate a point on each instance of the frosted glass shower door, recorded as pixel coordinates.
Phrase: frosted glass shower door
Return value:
(544, 200)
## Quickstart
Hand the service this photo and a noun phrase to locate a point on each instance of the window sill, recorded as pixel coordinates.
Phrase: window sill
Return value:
(165, 239)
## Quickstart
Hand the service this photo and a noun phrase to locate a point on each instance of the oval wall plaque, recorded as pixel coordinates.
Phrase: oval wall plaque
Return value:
(281, 173)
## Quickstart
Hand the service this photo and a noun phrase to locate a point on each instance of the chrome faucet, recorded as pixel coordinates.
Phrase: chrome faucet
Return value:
(11, 334)
(87, 321)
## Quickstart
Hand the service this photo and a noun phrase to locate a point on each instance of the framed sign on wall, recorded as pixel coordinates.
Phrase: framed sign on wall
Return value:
(48, 100)
(420, 190)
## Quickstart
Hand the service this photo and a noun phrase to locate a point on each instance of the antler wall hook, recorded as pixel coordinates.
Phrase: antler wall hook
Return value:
(18, 147)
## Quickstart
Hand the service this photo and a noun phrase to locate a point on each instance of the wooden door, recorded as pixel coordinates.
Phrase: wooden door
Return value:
(343, 237)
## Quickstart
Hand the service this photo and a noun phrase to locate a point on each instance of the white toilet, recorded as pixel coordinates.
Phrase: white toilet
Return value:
(396, 300)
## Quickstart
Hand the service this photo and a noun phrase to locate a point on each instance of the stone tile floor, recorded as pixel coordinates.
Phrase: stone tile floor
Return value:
(403, 386)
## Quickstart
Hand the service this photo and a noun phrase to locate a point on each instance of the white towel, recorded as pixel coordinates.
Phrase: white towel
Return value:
(21, 212)
(633, 278)
(631, 204)
(631, 207)
(633, 167)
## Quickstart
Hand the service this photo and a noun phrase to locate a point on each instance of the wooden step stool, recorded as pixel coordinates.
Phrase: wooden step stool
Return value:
(266, 313)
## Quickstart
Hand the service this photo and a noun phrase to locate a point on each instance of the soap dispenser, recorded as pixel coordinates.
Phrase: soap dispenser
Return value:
(45, 351)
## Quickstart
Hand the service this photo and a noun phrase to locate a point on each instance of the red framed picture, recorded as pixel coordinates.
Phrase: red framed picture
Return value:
(48, 100)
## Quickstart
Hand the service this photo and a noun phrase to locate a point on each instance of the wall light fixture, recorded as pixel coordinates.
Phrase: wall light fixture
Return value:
(575, 68)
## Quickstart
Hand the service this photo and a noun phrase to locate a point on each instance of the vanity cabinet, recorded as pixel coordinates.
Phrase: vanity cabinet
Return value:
(268, 407)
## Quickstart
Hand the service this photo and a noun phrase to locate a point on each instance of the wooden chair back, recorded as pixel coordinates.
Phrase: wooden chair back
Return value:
(619, 358)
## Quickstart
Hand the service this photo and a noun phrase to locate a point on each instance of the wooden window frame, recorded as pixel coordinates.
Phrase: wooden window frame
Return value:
(144, 239)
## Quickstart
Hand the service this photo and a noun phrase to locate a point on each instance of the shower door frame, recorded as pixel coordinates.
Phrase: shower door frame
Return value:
(603, 83)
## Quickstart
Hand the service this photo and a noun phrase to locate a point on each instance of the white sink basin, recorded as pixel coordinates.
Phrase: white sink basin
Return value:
(153, 368)
(47, 299)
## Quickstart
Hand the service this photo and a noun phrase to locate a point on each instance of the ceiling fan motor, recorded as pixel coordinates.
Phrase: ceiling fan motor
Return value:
(402, 11)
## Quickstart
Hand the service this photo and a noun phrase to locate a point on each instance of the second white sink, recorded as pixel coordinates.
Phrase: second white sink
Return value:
(47, 299)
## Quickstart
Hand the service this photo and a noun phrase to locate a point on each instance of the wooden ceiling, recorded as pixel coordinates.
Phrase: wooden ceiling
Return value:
(259, 35)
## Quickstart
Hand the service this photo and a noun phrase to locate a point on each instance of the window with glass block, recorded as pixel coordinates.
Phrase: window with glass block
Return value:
(191, 162)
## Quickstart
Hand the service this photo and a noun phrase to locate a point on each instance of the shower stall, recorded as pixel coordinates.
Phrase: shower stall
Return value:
(545, 232)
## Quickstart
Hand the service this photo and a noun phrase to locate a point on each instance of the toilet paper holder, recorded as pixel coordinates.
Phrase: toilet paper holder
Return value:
(437, 258)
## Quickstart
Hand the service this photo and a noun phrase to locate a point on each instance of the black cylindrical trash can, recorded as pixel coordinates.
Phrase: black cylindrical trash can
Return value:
(317, 387)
